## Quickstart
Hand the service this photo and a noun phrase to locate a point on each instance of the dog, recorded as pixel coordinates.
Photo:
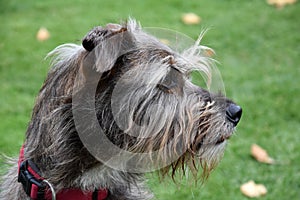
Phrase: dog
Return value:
(118, 106)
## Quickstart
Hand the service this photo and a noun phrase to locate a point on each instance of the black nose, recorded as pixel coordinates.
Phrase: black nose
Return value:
(234, 113)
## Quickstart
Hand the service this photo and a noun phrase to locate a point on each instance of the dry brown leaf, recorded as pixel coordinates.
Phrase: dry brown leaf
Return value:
(165, 41)
(209, 52)
(260, 154)
(251, 189)
(42, 34)
(190, 19)
(281, 3)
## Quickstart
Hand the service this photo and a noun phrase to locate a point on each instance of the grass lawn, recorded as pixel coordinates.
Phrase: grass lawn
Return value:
(257, 45)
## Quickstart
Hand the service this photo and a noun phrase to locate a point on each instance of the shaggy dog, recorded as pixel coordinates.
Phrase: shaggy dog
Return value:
(114, 108)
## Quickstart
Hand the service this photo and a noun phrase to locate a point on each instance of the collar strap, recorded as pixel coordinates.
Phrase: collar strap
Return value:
(36, 189)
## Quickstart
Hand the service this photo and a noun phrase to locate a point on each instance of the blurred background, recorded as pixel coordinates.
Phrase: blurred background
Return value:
(257, 45)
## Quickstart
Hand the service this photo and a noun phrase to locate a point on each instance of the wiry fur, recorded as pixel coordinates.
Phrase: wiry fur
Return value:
(180, 115)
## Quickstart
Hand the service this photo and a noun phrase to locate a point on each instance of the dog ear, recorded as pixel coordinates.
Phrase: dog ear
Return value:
(97, 34)
(172, 83)
(93, 37)
(105, 46)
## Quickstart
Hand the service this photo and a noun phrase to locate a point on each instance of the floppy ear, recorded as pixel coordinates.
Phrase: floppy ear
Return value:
(99, 33)
(104, 46)
(93, 37)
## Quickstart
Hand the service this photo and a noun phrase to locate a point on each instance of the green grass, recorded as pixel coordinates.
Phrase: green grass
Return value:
(257, 45)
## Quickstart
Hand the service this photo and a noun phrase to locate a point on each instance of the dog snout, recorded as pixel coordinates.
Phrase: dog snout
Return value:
(234, 113)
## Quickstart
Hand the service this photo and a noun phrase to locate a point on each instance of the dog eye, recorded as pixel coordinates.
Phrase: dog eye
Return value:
(173, 82)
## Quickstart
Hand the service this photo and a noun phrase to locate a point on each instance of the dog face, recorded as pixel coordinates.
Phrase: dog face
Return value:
(146, 103)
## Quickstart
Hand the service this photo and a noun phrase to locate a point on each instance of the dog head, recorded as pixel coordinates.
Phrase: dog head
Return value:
(134, 105)
(146, 103)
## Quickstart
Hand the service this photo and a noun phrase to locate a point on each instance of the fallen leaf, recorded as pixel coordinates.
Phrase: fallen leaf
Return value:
(209, 52)
(165, 41)
(190, 19)
(251, 189)
(42, 34)
(281, 3)
(260, 154)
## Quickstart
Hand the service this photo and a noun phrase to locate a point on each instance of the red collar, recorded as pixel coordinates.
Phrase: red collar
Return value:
(36, 189)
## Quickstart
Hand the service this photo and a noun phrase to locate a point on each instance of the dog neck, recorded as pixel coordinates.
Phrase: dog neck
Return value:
(38, 188)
